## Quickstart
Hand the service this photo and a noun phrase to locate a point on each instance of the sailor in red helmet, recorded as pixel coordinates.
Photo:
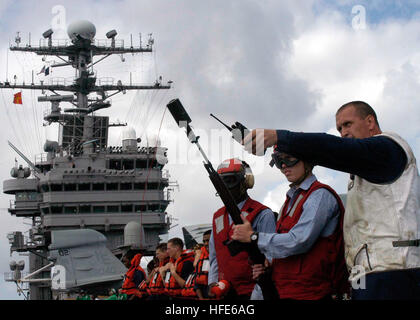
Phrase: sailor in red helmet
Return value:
(238, 177)
(308, 247)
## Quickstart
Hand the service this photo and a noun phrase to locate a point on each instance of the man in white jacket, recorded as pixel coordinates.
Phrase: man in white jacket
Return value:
(382, 218)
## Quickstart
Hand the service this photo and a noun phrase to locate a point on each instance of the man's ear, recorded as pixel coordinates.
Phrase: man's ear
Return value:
(370, 120)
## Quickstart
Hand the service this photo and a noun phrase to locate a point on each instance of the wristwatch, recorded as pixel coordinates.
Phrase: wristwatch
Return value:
(254, 237)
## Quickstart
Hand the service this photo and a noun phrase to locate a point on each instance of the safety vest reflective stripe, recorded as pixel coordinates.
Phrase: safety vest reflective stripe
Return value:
(157, 286)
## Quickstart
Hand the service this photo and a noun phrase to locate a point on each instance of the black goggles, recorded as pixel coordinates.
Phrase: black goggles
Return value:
(231, 180)
(277, 160)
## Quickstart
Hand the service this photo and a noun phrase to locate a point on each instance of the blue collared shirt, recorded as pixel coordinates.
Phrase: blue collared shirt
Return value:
(319, 217)
(263, 222)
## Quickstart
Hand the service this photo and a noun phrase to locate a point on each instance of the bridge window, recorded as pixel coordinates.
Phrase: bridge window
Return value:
(70, 210)
(139, 186)
(127, 208)
(56, 187)
(153, 207)
(128, 164)
(84, 209)
(152, 185)
(84, 187)
(141, 164)
(56, 209)
(70, 187)
(115, 164)
(140, 208)
(98, 186)
(126, 186)
(113, 209)
(32, 196)
(111, 186)
(98, 209)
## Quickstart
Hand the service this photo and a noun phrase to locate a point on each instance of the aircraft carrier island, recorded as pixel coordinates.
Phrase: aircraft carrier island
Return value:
(82, 194)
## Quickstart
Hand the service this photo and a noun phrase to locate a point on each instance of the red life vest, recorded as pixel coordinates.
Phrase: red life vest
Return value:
(237, 269)
(129, 287)
(143, 289)
(172, 287)
(188, 290)
(199, 276)
(320, 271)
(156, 285)
(202, 268)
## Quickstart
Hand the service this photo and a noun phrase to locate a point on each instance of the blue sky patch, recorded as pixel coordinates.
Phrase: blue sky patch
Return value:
(377, 11)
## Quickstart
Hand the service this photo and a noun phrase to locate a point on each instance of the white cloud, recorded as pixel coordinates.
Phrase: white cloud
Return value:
(378, 65)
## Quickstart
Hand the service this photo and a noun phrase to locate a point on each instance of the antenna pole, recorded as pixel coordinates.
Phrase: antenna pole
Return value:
(7, 64)
(227, 127)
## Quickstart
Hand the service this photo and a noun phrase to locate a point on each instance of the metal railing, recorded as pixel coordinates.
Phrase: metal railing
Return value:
(106, 43)
(9, 276)
(54, 42)
(106, 81)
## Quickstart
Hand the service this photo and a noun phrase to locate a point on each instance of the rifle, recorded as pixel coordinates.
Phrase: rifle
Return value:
(183, 121)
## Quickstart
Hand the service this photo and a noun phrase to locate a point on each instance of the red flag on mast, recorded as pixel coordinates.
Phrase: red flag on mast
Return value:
(17, 99)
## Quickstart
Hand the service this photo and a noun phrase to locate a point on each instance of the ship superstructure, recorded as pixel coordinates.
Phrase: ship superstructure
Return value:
(80, 181)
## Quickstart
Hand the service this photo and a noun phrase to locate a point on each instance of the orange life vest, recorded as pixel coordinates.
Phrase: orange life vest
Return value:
(129, 287)
(202, 268)
(172, 287)
(188, 290)
(199, 276)
(156, 285)
(143, 289)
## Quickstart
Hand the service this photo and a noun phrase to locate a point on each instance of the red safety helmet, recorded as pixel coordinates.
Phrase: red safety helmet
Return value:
(236, 168)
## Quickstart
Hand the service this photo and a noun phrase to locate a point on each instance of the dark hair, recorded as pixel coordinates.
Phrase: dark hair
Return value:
(129, 255)
(177, 242)
(150, 265)
(207, 232)
(161, 246)
(362, 108)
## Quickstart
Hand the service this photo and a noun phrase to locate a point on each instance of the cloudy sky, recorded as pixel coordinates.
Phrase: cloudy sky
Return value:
(266, 63)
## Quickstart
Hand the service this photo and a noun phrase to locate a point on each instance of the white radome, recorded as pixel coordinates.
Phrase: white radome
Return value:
(129, 134)
(83, 28)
